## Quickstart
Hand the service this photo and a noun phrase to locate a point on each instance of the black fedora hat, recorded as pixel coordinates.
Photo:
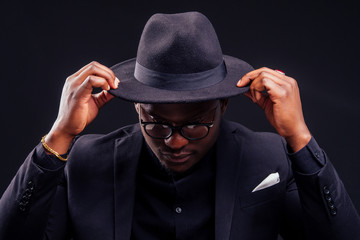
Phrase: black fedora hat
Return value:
(179, 60)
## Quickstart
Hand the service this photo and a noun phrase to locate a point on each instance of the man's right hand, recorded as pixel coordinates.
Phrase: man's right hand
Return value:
(78, 106)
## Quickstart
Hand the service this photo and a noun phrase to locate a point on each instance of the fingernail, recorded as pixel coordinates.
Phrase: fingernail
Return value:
(238, 83)
(117, 81)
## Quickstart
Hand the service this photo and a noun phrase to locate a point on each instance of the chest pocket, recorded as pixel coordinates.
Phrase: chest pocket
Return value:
(263, 196)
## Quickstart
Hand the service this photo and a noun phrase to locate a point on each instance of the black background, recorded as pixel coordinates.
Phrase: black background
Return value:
(316, 42)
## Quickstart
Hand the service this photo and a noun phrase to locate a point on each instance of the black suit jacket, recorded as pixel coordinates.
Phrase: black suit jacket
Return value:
(92, 197)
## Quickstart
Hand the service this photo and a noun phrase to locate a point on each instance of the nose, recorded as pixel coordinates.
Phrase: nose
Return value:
(176, 141)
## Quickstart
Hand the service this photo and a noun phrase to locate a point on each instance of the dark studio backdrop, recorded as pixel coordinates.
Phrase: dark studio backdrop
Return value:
(317, 43)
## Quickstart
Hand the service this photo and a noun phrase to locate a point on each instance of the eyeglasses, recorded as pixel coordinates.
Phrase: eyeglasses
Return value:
(191, 131)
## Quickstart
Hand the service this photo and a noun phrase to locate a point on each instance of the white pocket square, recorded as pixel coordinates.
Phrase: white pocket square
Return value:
(269, 181)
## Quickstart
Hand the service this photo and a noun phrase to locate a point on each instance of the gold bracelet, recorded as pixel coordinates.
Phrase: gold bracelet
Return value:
(52, 150)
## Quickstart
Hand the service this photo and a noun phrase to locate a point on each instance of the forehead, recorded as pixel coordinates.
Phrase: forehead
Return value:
(179, 112)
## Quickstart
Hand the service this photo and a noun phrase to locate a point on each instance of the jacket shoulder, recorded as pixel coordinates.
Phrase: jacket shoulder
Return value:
(258, 146)
(252, 136)
(95, 149)
(95, 142)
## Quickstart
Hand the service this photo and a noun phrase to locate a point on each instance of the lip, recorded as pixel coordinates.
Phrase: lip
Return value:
(177, 158)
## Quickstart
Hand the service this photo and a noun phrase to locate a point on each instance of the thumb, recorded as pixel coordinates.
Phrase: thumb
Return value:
(102, 98)
(248, 94)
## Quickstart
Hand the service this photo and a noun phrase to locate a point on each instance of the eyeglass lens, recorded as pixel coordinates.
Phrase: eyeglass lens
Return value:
(188, 131)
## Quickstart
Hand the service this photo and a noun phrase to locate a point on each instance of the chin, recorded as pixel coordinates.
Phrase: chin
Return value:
(178, 167)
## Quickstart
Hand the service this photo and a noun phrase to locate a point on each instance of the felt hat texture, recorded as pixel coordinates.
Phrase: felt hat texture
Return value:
(179, 60)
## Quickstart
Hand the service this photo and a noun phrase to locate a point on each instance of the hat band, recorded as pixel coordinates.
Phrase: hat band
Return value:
(188, 81)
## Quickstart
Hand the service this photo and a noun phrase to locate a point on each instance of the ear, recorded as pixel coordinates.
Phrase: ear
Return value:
(223, 105)
(137, 107)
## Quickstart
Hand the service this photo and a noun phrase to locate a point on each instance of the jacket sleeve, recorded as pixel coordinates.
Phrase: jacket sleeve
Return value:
(34, 197)
(325, 208)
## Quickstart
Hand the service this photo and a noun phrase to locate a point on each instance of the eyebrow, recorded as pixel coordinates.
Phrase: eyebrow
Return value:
(196, 117)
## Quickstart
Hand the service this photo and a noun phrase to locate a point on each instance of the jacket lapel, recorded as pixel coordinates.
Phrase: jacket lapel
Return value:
(126, 158)
(228, 151)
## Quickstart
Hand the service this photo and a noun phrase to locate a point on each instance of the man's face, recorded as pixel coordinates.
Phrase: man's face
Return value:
(177, 153)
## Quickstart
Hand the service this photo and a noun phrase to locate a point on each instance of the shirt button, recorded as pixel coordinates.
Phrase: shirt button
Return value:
(326, 190)
(333, 212)
(178, 210)
(331, 205)
(30, 183)
(328, 198)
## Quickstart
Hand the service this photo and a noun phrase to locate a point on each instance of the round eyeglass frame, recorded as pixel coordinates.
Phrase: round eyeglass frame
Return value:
(178, 128)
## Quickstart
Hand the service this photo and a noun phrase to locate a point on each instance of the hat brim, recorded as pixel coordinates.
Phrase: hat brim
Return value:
(132, 90)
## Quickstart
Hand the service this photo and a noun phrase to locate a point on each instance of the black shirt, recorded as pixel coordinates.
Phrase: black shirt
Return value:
(174, 206)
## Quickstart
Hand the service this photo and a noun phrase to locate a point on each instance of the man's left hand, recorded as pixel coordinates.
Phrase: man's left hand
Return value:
(278, 95)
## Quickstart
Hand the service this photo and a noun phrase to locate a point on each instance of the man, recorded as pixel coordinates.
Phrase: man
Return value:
(183, 172)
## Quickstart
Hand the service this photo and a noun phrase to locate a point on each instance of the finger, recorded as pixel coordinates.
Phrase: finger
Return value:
(265, 76)
(83, 68)
(261, 99)
(95, 68)
(265, 84)
(279, 71)
(105, 68)
(102, 98)
(248, 94)
(275, 72)
(92, 82)
(258, 96)
(255, 93)
(247, 78)
(115, 80)
(92, 63)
